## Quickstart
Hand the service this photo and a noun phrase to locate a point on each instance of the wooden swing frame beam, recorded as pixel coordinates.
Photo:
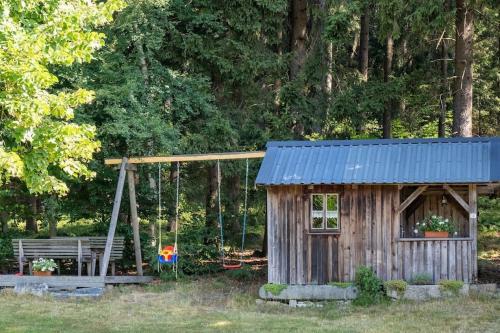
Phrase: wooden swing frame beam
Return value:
(187, 158)
(127, 172)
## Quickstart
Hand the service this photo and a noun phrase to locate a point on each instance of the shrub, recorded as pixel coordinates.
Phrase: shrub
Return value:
(399, 286)
(370, 287)
(421, 279)
(489, 217)
(452, 286)
(343, 285)
(245, 273)
(274, 288)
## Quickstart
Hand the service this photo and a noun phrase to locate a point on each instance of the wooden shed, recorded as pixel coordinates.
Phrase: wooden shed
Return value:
(333, 206)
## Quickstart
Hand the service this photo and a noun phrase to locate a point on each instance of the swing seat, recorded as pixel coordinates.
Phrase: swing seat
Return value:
(171, 259)
(168, 255)
(231, 266)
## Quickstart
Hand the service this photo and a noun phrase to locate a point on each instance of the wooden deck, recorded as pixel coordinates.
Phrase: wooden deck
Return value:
(73, 281)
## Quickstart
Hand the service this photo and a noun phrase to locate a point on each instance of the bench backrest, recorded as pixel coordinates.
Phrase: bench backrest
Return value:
(98, 244)
(64, 248)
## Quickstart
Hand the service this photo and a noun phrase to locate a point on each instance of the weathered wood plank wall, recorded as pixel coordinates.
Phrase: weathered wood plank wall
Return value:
(369, 235)
(440, 259)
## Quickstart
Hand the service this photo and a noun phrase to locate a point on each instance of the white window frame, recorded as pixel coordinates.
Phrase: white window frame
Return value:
(324, 212)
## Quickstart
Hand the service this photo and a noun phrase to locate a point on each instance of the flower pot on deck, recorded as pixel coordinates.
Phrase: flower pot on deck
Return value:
(40, 273)
(436, 234)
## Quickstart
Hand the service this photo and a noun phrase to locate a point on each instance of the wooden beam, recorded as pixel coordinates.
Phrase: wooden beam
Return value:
(411, 198)
(457, 197)
(53, 281)
(188, 158)
(473, 229)
(114, 218)
(135, 220)
(72, 281)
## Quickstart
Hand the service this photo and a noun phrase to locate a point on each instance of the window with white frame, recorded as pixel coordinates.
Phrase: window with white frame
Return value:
(325, 212)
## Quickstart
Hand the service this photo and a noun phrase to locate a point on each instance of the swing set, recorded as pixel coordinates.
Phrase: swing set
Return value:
(169, 254)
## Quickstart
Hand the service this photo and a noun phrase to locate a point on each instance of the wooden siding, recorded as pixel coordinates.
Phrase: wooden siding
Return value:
(369, 235)
(441, 259)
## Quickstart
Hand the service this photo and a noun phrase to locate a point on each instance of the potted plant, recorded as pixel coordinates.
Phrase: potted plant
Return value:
(43, 267)
(435, 226)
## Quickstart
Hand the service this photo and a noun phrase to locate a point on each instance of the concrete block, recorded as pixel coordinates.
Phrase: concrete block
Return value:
(311, 292)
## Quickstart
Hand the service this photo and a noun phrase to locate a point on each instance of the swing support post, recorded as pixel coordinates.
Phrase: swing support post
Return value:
(131, 169)
(114, 218)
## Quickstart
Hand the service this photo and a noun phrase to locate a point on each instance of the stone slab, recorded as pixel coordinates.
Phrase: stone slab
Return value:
(311, 292)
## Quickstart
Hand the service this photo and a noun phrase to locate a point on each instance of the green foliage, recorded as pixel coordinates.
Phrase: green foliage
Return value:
(452, 286)
(245, 273)
(6, 250)
(342, 285)
(435, 223)
(38, 142)
(421, 279)
(397, 285)
(196, 254)
(489, 214)
(274, 288)
(370, 287)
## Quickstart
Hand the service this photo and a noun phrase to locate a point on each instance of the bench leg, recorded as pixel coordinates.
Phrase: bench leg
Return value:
(101, 255)
(30, 264)
(79, 267)
(113, 268)
(89, 268)
(94, 264)
(59, 267)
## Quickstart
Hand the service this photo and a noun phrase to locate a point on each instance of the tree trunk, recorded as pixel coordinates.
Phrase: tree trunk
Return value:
(4, 218)
(329, 73)
(462, 97)
(234, 205)
(31, 223)
(363, 43)
(444, 90)
(211, 208)
(141, 57)
(299, 37)
(387, 121)
(53, 227)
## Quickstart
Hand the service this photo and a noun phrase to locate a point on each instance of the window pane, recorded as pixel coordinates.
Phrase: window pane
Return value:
(331, 202)
(332, 213)
(317, 202)
(317, 222)
(331, 223)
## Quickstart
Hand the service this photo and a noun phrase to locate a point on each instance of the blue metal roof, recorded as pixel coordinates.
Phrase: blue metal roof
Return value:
(382, 161)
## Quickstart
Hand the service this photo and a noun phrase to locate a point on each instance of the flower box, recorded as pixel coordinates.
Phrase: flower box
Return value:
(436, 234)
(40, 273)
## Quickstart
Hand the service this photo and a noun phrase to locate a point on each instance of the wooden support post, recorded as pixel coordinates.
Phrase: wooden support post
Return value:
(21, 255)
(114, 218)
(79, 257)
(458, 198)
(473, 228)
(411, 198)
(134, 218)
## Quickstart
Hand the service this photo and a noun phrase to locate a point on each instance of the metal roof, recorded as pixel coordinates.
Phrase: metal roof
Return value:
(382, 161)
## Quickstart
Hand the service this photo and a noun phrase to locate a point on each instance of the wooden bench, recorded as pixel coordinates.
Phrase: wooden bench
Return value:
(97, 246)
(55, 248)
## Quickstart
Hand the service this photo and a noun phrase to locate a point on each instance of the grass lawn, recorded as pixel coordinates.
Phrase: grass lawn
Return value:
(219, 303)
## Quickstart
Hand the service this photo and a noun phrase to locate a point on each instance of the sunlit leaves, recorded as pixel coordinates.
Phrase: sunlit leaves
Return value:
(37, 141)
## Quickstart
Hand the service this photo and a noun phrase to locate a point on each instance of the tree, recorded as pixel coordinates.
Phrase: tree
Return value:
(462, 98)
(39, 144)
